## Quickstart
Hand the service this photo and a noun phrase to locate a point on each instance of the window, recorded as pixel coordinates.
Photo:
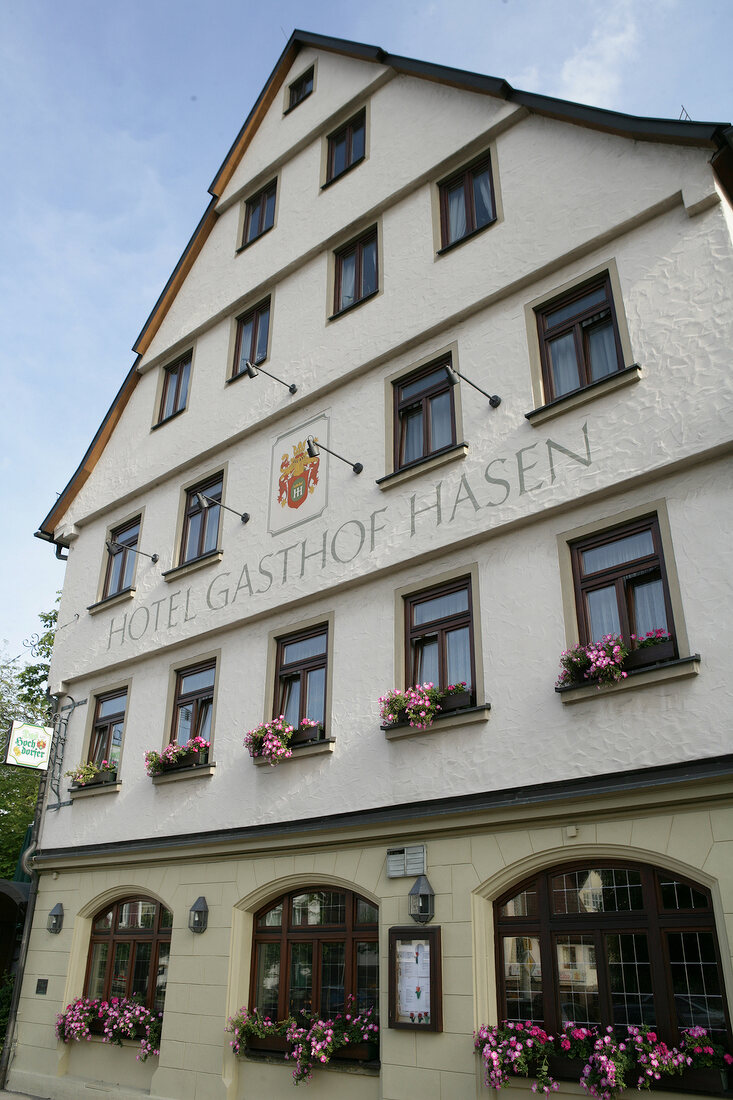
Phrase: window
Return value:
(579, 338)
(175, 388)
(610, 944)
(193, 703)
(346, 147)
(300, 680)
(260, 213)
(466, 202)
(129, 952)
(121, 558)
(439, 636)
(109, 721)
(201, 520)
(252, 332)
(425, 417)
(300, 89)
(621, 588)
(356, 272)
(311, 950)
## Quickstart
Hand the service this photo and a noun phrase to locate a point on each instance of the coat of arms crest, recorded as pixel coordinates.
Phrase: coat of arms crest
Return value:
(298, 477)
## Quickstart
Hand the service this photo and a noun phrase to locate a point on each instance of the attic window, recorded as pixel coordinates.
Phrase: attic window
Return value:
(260, 213)
(300, 89)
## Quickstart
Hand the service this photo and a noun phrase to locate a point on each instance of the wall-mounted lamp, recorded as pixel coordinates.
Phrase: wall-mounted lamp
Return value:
(314, 449)
(198, 915)
(454, 376)
(421, 901)
(114, 547)
(252, 371)
(55, 920)
(207, 502)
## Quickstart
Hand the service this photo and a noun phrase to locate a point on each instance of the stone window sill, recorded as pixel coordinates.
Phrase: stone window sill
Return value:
(178, 571)
(680, 669)
(196, 771)
(313, 748)
(111, 601)
(430, 463)
(581, 397)
(443, 722)
(94, 789)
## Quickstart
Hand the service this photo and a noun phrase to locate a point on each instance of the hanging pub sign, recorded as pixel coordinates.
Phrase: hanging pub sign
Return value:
(415, 985)
(29, 746)
(298, 483)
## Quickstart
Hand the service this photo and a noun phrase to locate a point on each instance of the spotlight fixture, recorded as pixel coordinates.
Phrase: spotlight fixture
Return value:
(252, 371)
(314, 449)
(114, 547)
(454, 376)
(207, 502)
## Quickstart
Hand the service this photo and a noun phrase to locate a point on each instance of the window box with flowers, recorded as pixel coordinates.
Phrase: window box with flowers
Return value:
(93, 775)
(606, 1061)
(420, 705)
(175, 757)
(308, 1041)
(115, 1020)
(271, 741)
(610, 660)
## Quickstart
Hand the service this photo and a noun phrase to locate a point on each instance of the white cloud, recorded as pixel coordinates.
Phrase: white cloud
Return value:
(595, 71)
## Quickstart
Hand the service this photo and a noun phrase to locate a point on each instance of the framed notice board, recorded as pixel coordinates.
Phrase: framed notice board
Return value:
(415, 979)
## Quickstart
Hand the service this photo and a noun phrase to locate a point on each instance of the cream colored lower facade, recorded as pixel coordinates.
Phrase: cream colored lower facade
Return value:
(677, 818)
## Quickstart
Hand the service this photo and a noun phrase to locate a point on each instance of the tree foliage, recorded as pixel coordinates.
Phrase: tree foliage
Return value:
(22, 698)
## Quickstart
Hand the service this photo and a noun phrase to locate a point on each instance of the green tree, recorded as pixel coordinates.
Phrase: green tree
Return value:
(22, 698)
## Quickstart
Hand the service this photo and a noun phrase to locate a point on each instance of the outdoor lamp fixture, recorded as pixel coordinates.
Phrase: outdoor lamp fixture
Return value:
(454, 376)
(198, 915)
(206, 502)
(252, 371)
(55, 920)
(421, 901)
(314, 449)
(114, 547)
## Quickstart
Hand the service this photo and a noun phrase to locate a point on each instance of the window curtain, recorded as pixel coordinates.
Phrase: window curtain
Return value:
(348, 272)
(459, 657)
(564, 365)
(602, 351)
(369, 268)
(603, 613)
(482, 199)
(649, 612)
(441, 427)
(456, 214)
(619, 552)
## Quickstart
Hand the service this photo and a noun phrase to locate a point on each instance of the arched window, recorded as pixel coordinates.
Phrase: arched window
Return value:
(602, 943)
(312, 949)
(129, 951)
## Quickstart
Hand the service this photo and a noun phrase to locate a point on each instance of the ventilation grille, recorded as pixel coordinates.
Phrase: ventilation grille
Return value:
(406, 862)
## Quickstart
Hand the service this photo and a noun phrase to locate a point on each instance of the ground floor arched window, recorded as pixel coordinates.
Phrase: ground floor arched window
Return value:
(129, 952)
(312, 949)
(610, 943)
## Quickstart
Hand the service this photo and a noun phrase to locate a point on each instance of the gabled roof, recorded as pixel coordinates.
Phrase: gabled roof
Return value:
(716, 136)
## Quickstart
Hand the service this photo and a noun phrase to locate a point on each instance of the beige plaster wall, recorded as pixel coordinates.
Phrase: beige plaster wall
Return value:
(469, 863)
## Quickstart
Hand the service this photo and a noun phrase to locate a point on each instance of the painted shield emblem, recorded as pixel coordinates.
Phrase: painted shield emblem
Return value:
(298, 477)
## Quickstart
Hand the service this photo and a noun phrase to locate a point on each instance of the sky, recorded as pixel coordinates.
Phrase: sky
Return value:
(114, 118)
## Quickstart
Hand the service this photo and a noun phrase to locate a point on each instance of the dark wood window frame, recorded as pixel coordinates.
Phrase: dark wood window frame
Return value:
(620, 576)
(258, 205)
(300, 89)
(195, 699)
(300, 669)
(352, 156)
(258, 315)
(655, 920)
(157, 936)
(102, 727)
(213, 487)
(465, 175)
(350, 933)
(121, 561)
(355, 248)
(440, 627)
(403, 406)
(176, 379)
(579, 325)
